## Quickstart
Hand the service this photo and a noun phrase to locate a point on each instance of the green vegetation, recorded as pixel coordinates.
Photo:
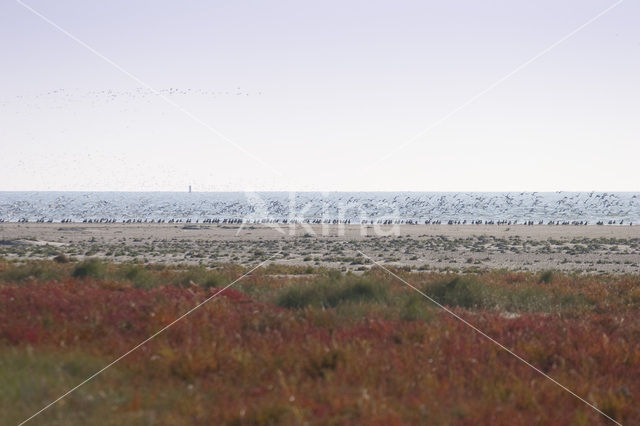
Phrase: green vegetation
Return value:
(546, 277)
(470, 293)
(320, 348)
(330, 292)
(92, 268)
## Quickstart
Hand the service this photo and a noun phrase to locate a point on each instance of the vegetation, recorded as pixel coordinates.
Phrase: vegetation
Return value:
(469, 254)
(331, 292)
(289, 346)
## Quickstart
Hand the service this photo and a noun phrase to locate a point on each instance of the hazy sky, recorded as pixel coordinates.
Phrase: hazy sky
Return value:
(310, 95)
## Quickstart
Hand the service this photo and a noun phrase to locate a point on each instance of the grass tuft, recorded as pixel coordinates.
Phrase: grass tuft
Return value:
(331, 291)
(92, 268)
(546, 277)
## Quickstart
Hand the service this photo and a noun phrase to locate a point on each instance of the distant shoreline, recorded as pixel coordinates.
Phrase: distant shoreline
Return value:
(348, 231)
(302, 223)
(419, 208)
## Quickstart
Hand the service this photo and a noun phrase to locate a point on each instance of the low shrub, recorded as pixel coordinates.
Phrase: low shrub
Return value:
(546, 277)
(465, 292)
(470, 293)
(92, 268)
(37, 270)
(61, 258)
(330, 292)
(201, 276)
(415, 307)
(140, 276)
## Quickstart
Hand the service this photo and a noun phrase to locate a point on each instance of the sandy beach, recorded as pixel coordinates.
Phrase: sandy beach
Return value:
(594, 249)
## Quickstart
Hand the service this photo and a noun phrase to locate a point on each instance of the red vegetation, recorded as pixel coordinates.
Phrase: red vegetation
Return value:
(250, 362)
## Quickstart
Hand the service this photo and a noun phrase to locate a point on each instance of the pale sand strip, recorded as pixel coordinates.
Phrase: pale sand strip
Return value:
(114, 232)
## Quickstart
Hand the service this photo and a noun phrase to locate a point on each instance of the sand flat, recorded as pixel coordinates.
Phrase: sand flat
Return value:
(110, 232)
(592, 249)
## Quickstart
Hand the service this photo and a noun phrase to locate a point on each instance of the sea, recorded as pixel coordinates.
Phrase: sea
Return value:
(608, 208)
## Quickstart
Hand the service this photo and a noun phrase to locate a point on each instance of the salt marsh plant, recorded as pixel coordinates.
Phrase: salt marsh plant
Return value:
(322, 348)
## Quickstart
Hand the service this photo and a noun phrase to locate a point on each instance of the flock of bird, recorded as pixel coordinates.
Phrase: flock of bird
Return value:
(62, 98)
(350, 208)
(285, 221)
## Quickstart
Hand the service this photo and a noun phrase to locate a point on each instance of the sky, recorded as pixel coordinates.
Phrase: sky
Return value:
(326, 96)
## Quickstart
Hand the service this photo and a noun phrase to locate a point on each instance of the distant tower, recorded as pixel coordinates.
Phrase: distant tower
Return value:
(189, 189)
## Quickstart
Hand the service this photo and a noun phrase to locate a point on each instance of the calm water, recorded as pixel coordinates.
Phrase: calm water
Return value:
(419, 206)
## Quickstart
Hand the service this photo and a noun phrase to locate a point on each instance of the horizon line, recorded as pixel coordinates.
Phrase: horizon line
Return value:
(187, 191)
